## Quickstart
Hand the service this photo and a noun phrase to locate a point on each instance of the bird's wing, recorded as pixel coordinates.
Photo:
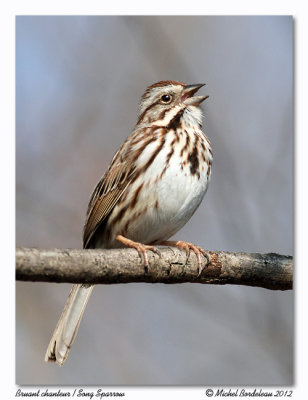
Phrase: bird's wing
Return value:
(122, 170)
(106, 194)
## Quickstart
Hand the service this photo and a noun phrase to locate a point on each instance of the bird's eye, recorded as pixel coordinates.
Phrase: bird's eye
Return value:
(166, 98)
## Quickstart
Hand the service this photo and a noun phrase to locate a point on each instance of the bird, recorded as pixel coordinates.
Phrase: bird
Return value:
(153, 185)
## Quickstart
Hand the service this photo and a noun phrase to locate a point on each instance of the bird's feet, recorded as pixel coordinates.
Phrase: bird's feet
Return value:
(187, 247)
(141, 248)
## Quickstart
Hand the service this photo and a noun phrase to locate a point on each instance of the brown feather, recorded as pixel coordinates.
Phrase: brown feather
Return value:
(114, 183)
(105, 196)
(161, 84)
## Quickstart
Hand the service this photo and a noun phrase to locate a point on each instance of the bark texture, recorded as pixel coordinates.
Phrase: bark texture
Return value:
(270, 271)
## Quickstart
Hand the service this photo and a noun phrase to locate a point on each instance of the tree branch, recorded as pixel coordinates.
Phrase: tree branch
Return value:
(270, 271)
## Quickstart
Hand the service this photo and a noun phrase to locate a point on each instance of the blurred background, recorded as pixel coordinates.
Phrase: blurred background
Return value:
(78, 85)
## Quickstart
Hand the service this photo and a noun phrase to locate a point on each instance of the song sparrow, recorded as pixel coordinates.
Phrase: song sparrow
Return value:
(154, 184)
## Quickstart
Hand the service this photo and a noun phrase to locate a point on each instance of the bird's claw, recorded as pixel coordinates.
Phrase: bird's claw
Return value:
(141, 249)
(188, 247)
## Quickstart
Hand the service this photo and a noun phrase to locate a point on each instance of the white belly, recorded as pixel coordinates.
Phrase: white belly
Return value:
(167, 197)
(179, 195)
(169, 201)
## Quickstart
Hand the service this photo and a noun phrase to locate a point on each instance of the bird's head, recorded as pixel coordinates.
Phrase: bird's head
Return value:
(163, 100)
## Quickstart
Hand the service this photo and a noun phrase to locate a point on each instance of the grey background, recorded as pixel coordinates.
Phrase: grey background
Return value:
(78, 84)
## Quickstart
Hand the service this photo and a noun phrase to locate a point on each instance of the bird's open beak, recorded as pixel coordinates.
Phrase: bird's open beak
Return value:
(188, 97)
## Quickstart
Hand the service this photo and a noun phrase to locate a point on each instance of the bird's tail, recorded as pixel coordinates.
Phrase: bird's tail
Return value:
(68, 324)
